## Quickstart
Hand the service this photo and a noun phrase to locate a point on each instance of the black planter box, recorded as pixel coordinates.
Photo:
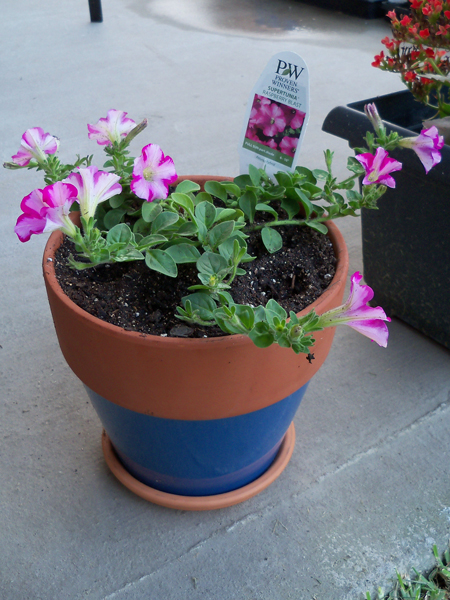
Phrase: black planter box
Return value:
(367, 9)
(406, 243)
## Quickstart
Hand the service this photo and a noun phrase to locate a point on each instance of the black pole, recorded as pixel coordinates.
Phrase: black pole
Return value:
(95, 8)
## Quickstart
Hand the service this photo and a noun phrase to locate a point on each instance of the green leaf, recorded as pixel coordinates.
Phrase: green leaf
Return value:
(205, 213)
(215, 189)
(275, 308)
(183, 253)
(306, 203)
(119, 234)
(188, 229)
(113, 217)
(267, 208)
(150, 210)
(284, 179)
(248, 202)
(184, 201)
(201, 303)
(141, 227)
(261, 336)
(164, 221)
(255, 175)
(320, 174)
(219, 233)
(187, 186)
(320, 227)
(128, 255)
(311, 188)
(355, 166)
(226, 214)
(245, 315)
(161, 261)
(151, 240)
(242, 181)
(307, 174)
(227, 248)
(116, 201)
(291, 205)
(203, 197)
(232, 188)
(211, 263)
(272, 240)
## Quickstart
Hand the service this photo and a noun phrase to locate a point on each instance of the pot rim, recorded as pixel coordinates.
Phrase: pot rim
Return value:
(56, 239)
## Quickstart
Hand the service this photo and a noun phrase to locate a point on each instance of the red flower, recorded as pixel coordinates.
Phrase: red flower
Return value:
(416, 3)
(410, 76)
(388, 42)
(447, 14)
(378, 59)
(424, 33)
(405, 21)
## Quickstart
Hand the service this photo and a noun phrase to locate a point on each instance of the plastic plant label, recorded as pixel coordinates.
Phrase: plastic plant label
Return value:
(276, 116)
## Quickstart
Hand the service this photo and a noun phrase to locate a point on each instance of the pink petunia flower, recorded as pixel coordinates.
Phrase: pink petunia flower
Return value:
(93, 187)
(270, 143)
(35, 144)
(47, 210)
(427, 146)
(152, 174)
(251, 134)
(259, 101)
(294, 117)
(112, 128)
(378, 167)
(271, 119)
(288, 145)
(357, 314)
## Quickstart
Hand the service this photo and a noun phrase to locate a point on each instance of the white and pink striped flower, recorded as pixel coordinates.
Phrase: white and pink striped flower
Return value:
(35, 144)
(357, 314)
(93, 187)
(427, 146)
(152, 174)
(47, 210)
(111, 129)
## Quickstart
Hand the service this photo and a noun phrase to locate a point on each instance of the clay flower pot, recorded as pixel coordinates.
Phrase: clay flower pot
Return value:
(190, 423)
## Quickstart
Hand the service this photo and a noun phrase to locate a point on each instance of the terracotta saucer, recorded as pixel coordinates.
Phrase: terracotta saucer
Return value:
(201, 502)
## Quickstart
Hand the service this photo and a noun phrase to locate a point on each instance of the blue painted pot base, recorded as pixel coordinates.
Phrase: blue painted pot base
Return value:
(211, 502)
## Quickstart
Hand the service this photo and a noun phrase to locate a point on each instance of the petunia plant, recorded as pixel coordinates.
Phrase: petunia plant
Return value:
(132, 209)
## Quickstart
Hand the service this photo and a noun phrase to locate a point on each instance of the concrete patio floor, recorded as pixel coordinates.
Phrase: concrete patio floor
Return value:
(368, 487)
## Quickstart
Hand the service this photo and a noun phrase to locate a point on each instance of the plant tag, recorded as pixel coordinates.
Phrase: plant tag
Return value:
(276, 116)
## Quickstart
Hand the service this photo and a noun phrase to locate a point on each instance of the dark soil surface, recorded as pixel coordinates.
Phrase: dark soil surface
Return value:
(132, 296)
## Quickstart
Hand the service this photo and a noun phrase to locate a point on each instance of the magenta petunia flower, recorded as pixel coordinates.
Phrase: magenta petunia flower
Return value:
(288, 145)
(357, 314)
(259, 101)
(35, 144)
(426, 145)
(152, 174)
(294, 117)
(378, 167)
(93, 187)
(270, 143)
(111, 129)
(271, 119)
(251, 134)
(46, 210)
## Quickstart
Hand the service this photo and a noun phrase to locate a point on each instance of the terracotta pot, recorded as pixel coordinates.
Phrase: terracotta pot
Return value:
(190, 423)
